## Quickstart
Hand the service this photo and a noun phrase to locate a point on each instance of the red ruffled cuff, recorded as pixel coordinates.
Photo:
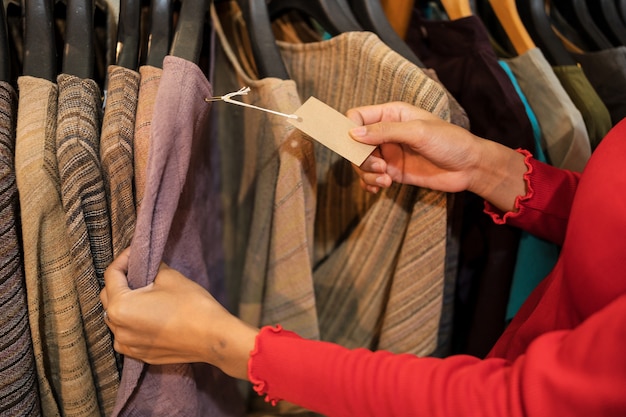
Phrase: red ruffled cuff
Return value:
(258, 384)
(500, 217)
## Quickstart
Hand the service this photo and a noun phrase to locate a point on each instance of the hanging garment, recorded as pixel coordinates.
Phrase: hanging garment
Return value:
(377, 284)
(149, 85)
(563, 130)
(279, 182)
(88, 222)
(294, 30)
(535, 256)
(276, 196)
(458, 116)
(606, 72)
(291, 30)
(66, 384)
(466, 64)
(176, 223)
(116, 153)
(18, 379)
(595, 114)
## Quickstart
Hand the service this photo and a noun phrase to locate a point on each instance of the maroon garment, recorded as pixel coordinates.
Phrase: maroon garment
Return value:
(462, 55)
(178, 221)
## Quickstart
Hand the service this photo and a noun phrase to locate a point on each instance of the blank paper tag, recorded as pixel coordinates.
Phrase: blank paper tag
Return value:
(330, 128)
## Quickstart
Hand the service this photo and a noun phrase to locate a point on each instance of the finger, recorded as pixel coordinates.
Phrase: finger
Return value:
(366, 115)
(409, 133)
(104, 299)
(374, 163)
(115, 275)
(369, 188)
(163, 266)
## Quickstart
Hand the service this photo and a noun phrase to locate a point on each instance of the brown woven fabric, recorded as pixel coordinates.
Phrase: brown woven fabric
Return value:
(88, 222)
(379, 259)
(367, 281)
(277, 189)
(116, 153)
(64, 375)
(18, 380)
(271, 201)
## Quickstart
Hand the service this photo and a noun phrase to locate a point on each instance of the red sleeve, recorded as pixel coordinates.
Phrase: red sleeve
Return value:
(544, 210)
(580, 372)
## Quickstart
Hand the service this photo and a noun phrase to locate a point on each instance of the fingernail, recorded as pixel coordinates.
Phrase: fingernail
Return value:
(380, 180)
(358, 131)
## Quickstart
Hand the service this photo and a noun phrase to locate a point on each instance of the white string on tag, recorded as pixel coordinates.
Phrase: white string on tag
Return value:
(242, 92)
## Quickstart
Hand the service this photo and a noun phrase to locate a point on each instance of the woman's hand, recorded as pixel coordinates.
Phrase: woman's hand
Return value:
(418, 148)
(414, 147)
(173, 320)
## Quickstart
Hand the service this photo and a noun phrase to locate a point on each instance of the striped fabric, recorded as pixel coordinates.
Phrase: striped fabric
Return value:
(18, 380)
(277, 184)
(148, 87)
(64, 375)
(87, 218)
(116, 153)
(272, 199)
(379, 259)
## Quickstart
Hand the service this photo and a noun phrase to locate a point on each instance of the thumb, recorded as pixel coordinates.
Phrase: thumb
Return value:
(385, 132)
(115, 275)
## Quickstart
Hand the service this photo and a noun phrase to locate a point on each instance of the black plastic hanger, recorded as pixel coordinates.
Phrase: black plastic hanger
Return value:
(371, 17)
(5, 53)
(621, 5)
(78, 52)
(40, 59)
(128, 34)
(160, 32)
(266, 55)
(332, 15)
(607, 18)
(536, 21)
(189, 32)
(577, 14)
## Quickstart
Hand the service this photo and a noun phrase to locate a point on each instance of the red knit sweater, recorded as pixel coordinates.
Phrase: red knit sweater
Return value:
(564, 354)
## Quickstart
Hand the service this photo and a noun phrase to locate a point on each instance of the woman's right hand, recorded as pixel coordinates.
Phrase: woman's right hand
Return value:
(416, 147)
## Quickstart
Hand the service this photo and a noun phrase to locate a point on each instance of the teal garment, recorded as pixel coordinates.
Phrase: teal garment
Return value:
(535, 257)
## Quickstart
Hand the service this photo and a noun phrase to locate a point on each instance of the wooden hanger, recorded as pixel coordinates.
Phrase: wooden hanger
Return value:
(334, 15)
(399, 14)
(608, 19)
(577, 14)
(371, 17)
(40, 59)
(160, 32)
(189, 32)
(128, 34)
(5, 53)
(269, 62)
(509, 18)
(536, 21)
(457, 9)
(78, 52)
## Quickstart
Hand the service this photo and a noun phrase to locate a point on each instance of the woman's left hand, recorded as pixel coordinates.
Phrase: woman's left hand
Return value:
(173, 320)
